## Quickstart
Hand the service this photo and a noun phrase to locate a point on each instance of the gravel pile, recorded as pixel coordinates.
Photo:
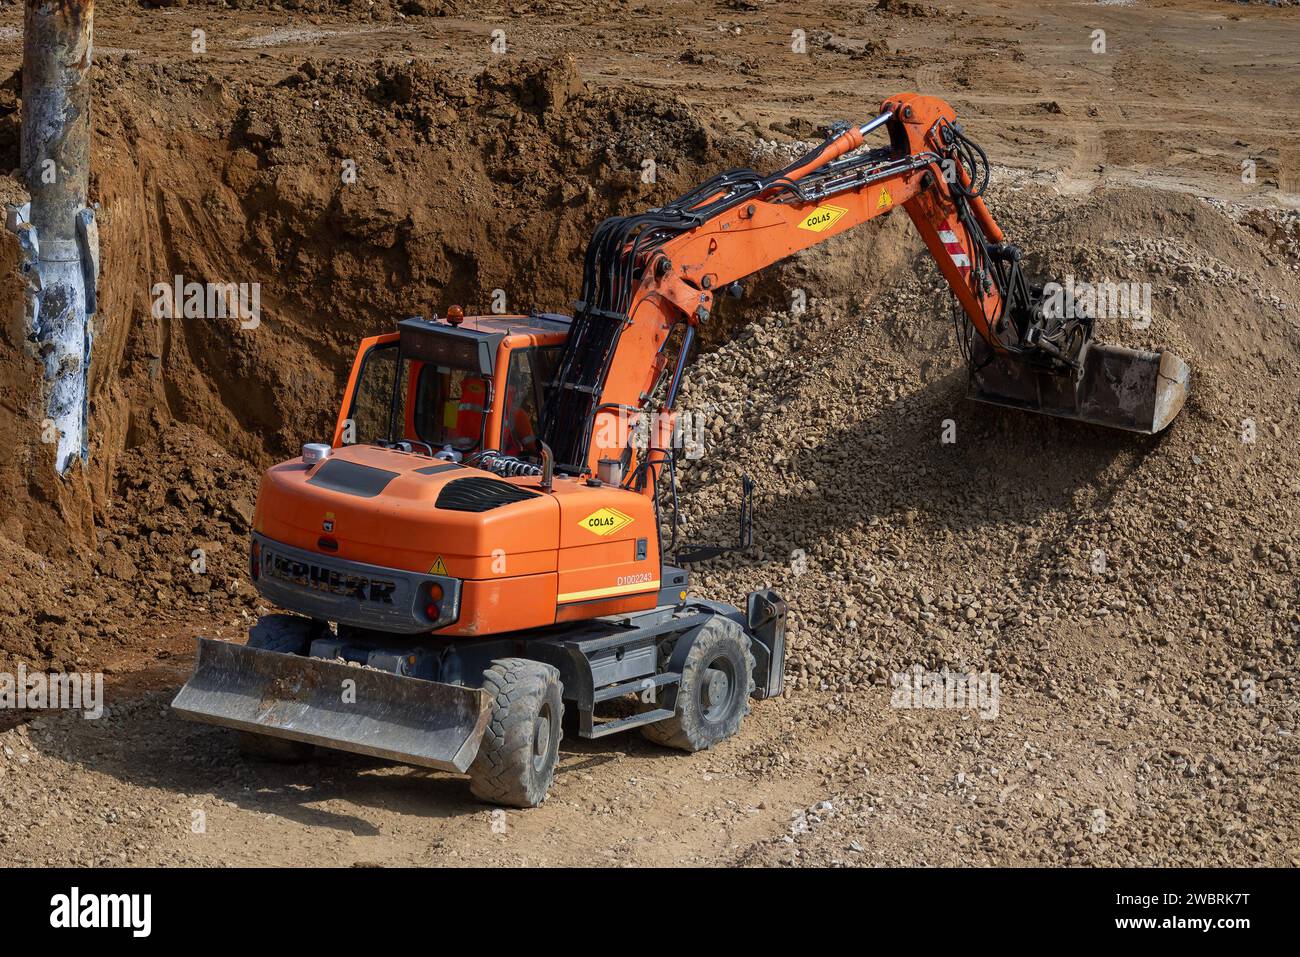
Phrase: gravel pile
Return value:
(1146, 586)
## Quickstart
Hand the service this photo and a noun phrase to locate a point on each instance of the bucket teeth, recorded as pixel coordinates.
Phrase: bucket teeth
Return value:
(426, 723)
(1116, 387)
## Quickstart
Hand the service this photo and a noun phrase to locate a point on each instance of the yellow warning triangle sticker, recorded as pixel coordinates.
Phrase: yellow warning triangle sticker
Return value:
(885, 199)
(439, 567)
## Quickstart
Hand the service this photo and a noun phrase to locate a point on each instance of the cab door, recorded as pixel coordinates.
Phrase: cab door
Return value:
(526, 371)
(377, 349)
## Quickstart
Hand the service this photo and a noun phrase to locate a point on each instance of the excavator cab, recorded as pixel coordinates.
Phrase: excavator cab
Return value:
(453, 389)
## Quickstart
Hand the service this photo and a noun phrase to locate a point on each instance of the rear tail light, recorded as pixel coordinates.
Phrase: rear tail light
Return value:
(432, 609)
(255, 560)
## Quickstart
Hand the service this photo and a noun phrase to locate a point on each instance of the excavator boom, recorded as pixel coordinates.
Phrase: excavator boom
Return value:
(649, 274)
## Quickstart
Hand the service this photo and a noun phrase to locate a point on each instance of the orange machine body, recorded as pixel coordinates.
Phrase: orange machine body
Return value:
(574, 551)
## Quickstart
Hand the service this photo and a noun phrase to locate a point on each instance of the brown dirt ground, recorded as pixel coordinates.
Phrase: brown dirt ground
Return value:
(1122, 693)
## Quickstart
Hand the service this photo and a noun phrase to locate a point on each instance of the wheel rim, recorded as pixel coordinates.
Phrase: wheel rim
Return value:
(542, 738)
(718, 689)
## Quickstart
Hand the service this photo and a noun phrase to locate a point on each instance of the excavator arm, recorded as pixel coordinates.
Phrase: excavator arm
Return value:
(649, 274)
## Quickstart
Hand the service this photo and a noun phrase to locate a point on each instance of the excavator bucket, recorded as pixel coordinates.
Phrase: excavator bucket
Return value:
(426, 723)
(1116, 387)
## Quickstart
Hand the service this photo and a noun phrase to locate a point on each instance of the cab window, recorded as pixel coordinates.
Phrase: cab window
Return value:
(450, 406)
(372, 401)
(436, 405)
(529, 372)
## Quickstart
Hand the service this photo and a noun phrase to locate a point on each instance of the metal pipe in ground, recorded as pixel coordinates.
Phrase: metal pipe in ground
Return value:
(57, 230)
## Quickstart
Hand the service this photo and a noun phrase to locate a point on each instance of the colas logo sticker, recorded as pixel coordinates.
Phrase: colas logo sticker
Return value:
(605, 521)
(822, 218)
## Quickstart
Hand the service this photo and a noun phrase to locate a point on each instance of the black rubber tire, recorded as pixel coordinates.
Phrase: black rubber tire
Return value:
(288, 634)
(280, 750)
(697, 724)
(517, 756)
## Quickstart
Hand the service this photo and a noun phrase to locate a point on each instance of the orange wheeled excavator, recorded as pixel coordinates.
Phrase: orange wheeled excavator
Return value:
(482, 543)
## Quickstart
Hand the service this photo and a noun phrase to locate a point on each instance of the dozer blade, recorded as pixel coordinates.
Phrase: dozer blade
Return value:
(1118, 388)
(391, 716)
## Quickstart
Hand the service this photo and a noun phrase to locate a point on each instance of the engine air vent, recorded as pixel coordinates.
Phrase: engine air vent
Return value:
(479, 494)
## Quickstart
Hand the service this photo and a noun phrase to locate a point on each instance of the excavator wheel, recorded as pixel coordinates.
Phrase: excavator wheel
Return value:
(517, 757)
(717, 679)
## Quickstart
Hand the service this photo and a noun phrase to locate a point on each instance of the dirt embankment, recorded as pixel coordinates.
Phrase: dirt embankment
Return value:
(354, 194)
